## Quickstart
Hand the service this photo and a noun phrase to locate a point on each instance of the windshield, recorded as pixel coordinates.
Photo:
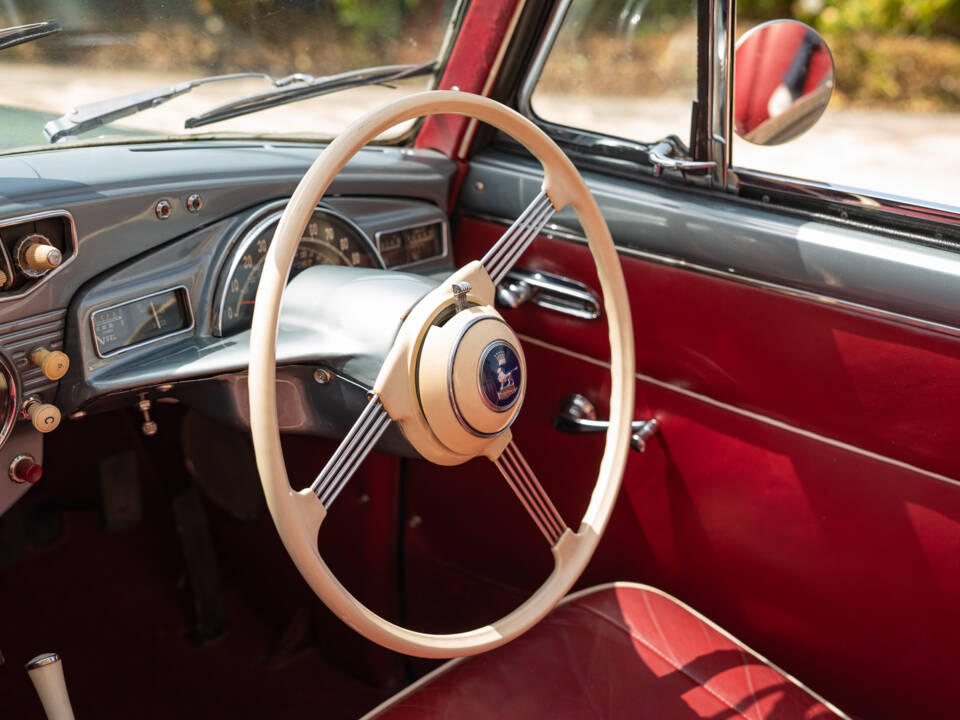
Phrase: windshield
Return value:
(111, 48)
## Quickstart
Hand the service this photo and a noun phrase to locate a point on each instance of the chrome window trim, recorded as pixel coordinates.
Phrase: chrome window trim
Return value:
(119, 351)
(246, 234)
(33, 217)
(874, 203)
(444, 240)
(559, 233)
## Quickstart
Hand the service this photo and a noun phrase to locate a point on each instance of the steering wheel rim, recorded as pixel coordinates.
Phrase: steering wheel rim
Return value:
(298, 514)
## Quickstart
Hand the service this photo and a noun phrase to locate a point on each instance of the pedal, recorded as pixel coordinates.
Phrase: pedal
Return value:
(203, 568)
(120, 500)
(46, 674)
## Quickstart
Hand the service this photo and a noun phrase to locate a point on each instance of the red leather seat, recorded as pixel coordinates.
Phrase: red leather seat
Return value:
(615, 651)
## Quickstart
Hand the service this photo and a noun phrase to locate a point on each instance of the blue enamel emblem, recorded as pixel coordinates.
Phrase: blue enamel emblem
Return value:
(500, 376)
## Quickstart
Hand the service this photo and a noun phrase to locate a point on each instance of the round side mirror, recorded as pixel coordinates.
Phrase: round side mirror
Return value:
(782, 82)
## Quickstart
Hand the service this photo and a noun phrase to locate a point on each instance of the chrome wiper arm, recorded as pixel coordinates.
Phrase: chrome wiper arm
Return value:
(27, 33)
(307, 87)
(92, 115)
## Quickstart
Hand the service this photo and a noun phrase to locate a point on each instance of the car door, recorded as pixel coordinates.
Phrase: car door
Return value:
(797, 341)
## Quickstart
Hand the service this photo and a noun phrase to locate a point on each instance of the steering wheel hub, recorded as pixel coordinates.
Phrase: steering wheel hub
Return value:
(471, 379)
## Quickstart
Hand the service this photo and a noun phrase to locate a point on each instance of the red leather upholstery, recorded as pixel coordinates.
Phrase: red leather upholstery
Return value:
(622, 651)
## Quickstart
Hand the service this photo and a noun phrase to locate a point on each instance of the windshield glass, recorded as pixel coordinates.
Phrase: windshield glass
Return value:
(110, 48)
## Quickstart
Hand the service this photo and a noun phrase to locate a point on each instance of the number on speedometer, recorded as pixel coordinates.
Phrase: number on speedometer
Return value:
(327, 240)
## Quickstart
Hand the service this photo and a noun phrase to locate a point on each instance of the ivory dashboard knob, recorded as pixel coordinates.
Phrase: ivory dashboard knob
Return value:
(52, 363)
(41, 257)
(44, 416)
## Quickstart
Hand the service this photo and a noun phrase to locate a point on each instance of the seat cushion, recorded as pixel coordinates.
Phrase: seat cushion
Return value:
(615, 651)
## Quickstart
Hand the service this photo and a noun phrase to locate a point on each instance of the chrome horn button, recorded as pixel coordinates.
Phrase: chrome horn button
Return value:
(471, 379)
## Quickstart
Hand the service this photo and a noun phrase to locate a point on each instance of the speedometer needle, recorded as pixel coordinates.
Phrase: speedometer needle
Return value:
(156, 319)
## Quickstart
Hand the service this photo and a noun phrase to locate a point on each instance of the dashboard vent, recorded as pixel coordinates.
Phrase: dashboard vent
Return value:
(21, 336)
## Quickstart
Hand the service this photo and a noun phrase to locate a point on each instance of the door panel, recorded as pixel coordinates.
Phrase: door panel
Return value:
(803, 489)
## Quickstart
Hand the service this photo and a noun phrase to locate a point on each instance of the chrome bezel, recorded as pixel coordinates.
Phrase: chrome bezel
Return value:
(444, 240)
(167, 336)
(9, 370)
(452, 395)
(36, 282)
(249, 231)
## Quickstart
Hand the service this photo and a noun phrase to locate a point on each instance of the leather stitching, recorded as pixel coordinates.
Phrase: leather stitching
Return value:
(630, 632)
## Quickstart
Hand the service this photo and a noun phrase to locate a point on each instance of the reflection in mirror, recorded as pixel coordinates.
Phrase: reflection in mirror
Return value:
(782, 83)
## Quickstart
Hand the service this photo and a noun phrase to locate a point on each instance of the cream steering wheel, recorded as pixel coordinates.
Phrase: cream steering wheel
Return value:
(453, 380)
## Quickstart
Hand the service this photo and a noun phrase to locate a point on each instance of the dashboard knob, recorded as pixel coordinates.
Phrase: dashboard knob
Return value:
(41, 257)
(24, 469)
(44, 416)
(52, 363)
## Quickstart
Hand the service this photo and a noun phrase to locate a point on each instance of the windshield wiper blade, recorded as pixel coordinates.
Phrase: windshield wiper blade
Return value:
(308, 87)
(27, 33)
(92, 115)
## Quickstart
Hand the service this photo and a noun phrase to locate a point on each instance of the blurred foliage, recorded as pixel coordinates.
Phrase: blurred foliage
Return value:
(222, 36)
(846, 17)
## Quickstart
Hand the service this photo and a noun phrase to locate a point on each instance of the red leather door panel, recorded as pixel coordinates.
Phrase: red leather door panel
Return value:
(802, 492)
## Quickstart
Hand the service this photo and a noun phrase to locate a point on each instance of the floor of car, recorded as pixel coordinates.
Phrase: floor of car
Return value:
(118, 607)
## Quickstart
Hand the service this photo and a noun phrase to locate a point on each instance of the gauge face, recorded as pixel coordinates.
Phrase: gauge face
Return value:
(328, 240)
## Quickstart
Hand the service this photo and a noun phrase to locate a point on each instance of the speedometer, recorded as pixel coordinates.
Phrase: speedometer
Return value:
(327, 240)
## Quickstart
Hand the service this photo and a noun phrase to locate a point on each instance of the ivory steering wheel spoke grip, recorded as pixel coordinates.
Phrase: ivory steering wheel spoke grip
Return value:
(453, 380)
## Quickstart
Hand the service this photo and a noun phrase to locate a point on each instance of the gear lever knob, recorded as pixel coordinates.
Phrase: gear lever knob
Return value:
(46, 673)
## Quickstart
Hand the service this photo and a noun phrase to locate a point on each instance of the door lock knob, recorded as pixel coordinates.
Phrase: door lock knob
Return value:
(52, 363)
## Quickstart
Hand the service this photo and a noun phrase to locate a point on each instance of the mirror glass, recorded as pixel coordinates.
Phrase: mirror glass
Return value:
(782, 83)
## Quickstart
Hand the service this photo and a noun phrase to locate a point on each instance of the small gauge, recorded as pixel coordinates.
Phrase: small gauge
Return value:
(327, 240)
(120, 327)
(411, 245)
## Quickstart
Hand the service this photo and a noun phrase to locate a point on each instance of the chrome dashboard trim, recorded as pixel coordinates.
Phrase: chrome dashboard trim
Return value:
(37, 282)
(445, 239)
(558, 233)
(176, 333)
(245, 235)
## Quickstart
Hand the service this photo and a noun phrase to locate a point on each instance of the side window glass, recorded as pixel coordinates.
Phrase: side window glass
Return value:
(892, 125)
(626, 68)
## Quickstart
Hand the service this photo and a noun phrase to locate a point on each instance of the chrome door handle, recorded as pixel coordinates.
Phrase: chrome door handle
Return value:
(578, 415)
(552, 292)
(662, 158)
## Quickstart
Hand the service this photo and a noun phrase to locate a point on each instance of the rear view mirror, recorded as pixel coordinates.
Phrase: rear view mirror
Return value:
(783, 80)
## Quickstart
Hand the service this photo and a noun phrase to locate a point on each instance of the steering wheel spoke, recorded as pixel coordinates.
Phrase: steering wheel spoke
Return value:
(352, 451)
(515, 469)
(505, 252)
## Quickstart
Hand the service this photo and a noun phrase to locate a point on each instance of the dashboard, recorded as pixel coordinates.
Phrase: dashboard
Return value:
(128, 276)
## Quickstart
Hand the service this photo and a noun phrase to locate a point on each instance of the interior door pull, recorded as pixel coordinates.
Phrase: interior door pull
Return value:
(578, 415)
(552, 292)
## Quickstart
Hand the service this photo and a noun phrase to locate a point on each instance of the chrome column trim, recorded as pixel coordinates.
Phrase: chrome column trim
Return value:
(720, 87)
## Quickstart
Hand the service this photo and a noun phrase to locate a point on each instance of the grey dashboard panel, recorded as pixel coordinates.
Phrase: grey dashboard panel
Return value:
(324, 333)
(111, 192)
(741, 241)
